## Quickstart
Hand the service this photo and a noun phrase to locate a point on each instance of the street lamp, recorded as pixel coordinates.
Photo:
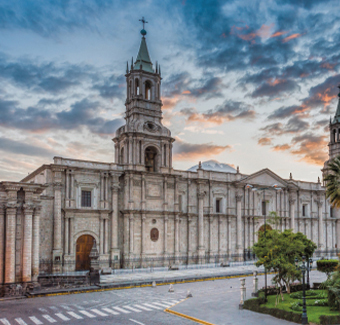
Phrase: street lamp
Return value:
(303, 268)
(309, 269)
(277, 188)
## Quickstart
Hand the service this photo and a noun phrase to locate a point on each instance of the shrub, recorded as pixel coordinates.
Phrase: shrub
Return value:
(255, 305)
(325, 320)
(310, 294)
(327, 266)
(296, 306)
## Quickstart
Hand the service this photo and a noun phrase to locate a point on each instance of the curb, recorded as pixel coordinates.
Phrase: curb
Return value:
(141, 284)
(168, 310)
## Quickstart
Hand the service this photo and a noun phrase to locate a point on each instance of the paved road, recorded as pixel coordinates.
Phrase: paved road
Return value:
(214, 301)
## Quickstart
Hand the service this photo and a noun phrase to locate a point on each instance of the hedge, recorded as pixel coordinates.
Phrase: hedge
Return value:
(325, 320)
(327, 266)
(255, 305)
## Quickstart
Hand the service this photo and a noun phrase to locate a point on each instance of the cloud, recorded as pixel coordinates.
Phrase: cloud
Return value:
(311, 148)
(282, 147)
(275, 88)
(290, 37)
(264, 141)
(21, 148)
(81, 113)
(187, 151)
(294, 125)
(228, 111)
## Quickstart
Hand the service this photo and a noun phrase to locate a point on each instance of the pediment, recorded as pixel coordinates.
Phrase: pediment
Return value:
(265, 177)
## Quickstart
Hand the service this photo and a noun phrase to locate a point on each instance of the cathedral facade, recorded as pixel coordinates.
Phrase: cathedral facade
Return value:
(140, 209)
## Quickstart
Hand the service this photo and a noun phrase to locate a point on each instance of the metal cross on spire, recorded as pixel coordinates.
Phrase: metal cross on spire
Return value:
(143, 21)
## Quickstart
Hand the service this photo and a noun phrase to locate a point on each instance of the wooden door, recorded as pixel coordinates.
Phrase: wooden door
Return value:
(84, 246)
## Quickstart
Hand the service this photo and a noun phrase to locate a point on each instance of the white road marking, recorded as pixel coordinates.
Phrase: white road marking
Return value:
(132, 320)
(84, 312)
(43, 310)
(20, 321)
(73, 314)
(121, 310)
(5, 321)
(100, 313)
(133, 309)
(108, 310)
(49, 318)
(151, 306)
(66, 307)
(53, 308)
(35, 320)
(142, 307)
(160, 304)
(61, 316)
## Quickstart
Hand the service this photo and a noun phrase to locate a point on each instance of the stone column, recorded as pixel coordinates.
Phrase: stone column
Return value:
(246, 233)
(176, 234)
(57, 223)
(27, 247)
(131, 234)
(67, 236)
(126, 235)
(166, 219)
(239, 247)
(321, 225)
(211, 236)
(201, 249)
(2, 241)
(220, 236)
(170, 155)
(114, 219)
(71, 235)
(11, 213)
(130, 150)
(101, 234)
(73, 202)
(292, 213)
(36, 243)
(106, 233)
(189, 237)
(143, 235)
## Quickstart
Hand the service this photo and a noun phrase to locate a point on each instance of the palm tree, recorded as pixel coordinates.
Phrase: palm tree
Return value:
(333, 182)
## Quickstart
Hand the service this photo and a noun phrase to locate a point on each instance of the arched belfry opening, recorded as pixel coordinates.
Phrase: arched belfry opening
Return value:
(147, 90)
(151, 157)
(137, 87)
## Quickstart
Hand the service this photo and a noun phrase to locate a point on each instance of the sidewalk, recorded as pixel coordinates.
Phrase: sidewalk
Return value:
(140, 278)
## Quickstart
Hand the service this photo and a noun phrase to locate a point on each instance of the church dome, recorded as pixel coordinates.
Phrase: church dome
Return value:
(214, 165)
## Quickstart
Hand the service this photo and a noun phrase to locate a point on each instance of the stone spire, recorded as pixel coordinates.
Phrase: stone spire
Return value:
(143, 60)
(337, 113)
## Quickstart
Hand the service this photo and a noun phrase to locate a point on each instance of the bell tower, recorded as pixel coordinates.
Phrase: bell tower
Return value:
(143, 143)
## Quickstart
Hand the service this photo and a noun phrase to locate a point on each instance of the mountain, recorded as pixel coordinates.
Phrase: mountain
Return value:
(215, 166)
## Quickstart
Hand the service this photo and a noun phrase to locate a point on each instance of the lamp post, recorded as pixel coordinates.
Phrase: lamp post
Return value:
(309, 269)
(303, 269)
(264, 213)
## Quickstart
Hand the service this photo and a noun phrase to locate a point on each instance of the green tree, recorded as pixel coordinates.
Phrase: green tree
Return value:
(277, 252)
(333, 182)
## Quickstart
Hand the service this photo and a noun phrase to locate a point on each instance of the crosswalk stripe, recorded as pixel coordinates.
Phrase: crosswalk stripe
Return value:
(133, 309)
(108, 310)
(35, 320)
(49, 318)
(160, 304)
(100, 313)
(20, 321)
(73, 314)
(152, 306)
(121, 310)
(167, 303)
(5, 321)
(61, 316)
(84, 312)
(142, 307)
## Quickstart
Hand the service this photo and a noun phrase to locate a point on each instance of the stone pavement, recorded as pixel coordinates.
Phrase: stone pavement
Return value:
(221, 307)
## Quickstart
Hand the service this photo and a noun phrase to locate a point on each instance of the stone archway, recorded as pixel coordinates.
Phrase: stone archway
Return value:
(263, 227)
(83, 249)
(151, 159)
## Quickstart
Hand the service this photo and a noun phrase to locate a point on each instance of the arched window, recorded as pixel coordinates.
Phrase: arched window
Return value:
(264, 208)
(147, 90)
(122, 156)
(130, 89)
(334, 135)
(150, 159)
(136, 87)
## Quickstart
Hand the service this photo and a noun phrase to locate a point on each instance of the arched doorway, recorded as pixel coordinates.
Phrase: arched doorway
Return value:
(263, 228)
(84, 246)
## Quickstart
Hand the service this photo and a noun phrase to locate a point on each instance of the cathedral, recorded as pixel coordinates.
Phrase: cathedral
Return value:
(140, 211)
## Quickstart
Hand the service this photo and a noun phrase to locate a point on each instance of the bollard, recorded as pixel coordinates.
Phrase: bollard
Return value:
(255, 285)
(243, 293)
(154, 284)
(171, 288)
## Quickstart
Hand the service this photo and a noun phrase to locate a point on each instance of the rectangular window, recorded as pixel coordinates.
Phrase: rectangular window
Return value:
(331, 212)
(304, 208)
(86, 199)
(264, 208)
(218, 205)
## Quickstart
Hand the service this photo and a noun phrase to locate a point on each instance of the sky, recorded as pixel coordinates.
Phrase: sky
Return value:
(248, 83)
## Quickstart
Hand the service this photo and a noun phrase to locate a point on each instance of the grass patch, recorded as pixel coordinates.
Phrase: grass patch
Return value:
(313, 312)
